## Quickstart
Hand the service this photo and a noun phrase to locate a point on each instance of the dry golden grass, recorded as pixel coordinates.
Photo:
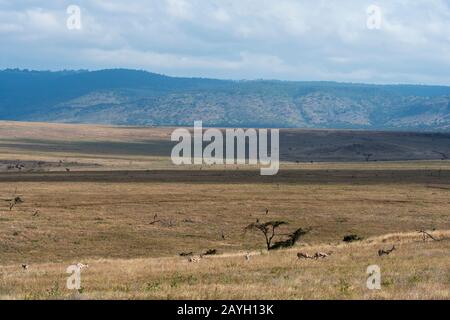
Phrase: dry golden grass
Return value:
(417, 270)
(113, 219)
(108, 226)
(98, 215)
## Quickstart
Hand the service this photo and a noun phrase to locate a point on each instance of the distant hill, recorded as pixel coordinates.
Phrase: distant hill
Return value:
(130, 97)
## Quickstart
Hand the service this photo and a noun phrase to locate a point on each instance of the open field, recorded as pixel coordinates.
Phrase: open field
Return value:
(55, 147)
(102, 212)
(416, 271)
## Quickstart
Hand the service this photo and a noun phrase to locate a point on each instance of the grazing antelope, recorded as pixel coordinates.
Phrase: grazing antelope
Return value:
(302, 255)
(195, 259)
(321, 255)
(383, 252)
(247, 256)
(82, 266)
(317, 255)
(24, 266)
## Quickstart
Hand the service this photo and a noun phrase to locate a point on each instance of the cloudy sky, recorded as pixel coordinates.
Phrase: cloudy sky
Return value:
(407, 42)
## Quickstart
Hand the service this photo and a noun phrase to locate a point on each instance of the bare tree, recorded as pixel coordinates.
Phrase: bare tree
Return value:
(426, 235)
(155, 219)
(368, 156)
(13, 202)
(444, 156)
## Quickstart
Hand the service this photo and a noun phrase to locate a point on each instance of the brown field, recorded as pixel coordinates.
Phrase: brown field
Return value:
(417, 271)
(101, 213)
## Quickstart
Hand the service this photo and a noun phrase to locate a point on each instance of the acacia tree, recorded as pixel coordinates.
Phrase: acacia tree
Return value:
(268, 229)
(368, 156)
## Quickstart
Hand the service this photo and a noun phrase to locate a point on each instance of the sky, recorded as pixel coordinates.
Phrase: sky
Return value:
(392, 41)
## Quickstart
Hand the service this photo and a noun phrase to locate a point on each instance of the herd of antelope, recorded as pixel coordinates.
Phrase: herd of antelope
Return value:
(301, 255)
(304, 256)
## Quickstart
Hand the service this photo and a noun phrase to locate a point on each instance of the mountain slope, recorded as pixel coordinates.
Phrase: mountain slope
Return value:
(132, 97)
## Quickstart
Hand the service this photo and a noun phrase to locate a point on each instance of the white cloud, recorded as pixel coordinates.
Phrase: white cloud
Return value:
(179, 9)
(221, 15)
(41, 20)
(285, 39)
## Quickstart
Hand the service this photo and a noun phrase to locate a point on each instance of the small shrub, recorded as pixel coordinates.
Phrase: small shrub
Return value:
(387, 282)
(179, 279)
(152, 286)
(54, 290)
(344, 287)
(352, 238)
(414, 279)
(210, 252)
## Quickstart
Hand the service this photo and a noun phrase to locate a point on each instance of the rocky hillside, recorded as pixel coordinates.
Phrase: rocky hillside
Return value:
(140, 98)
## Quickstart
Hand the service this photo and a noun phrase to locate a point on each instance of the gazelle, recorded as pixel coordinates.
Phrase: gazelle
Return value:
(302, 255)
(383, 252)
(321, 255)
(247, 256)
(195, 259)
(82, 266)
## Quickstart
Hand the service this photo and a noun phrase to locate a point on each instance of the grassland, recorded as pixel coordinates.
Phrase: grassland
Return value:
(416, 271)
(102, 212)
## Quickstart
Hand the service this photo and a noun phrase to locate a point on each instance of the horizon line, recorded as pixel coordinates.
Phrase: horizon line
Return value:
(224, 79)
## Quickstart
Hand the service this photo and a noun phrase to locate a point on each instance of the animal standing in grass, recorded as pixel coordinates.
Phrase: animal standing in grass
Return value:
(383, 252)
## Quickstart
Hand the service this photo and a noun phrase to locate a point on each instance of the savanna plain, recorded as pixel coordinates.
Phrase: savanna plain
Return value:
(109, 197)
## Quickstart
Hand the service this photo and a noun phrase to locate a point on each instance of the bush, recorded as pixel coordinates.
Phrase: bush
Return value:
(352, 237)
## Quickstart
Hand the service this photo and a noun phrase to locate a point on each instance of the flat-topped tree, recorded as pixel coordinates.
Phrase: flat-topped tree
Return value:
(268, 229)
